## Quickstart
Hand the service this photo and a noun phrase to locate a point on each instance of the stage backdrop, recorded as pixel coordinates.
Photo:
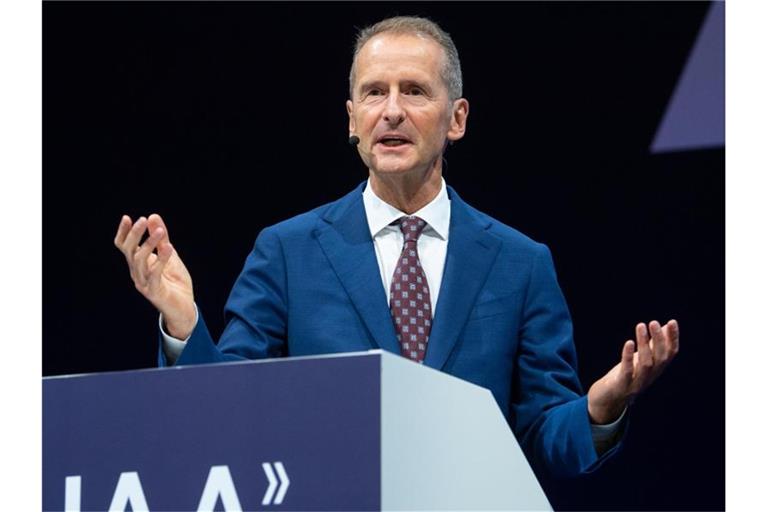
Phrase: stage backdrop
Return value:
(228, 117)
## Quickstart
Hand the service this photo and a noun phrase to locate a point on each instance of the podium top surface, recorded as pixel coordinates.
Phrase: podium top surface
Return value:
(276, 360)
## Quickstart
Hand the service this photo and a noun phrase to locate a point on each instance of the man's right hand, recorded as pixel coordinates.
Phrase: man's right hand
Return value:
(161, 277)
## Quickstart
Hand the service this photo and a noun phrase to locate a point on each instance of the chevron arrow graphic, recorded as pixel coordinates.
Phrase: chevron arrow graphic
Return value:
(283, 482)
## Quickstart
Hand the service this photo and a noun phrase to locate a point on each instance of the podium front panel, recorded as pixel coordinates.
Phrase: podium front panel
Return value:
(317, 420)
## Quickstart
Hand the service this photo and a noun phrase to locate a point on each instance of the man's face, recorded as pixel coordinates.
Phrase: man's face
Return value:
(400, 106)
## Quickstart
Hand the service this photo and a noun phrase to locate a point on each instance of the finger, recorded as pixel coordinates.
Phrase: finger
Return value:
(122, 230)
(641, 335)
(673, 338)
(644, 356)
(142, 256)
(658, 342)
(131, 241)
(627, 360)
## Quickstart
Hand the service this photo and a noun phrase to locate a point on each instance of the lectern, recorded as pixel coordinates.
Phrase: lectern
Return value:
(359, 431)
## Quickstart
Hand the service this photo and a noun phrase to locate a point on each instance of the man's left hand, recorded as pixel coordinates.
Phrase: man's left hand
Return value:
(608, 397)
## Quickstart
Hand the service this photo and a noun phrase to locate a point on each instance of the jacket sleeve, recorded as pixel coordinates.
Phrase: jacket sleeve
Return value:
(550, 410)
(255, 313)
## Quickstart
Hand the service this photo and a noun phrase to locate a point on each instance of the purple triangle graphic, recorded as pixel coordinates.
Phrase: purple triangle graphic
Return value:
(695, 115)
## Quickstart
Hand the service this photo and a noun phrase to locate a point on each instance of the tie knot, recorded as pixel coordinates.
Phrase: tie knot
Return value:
(412, 227)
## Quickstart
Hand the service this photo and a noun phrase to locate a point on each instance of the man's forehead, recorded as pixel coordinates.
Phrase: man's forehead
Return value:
(411, 50)
(391, 41)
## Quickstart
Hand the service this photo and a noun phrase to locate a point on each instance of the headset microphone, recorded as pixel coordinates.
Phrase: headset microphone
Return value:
(354, 140)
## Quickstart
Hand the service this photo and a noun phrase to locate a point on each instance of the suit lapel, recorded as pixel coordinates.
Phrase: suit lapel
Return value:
(471, 253)
(345, 239)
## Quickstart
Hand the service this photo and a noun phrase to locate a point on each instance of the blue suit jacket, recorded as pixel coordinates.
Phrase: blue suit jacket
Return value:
(312, 285)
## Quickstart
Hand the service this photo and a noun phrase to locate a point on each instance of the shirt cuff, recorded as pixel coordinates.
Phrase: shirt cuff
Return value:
(173, 346)
(604, 436)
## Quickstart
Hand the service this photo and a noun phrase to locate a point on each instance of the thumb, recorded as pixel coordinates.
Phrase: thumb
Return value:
(164, 252)
(154, 221)
(627, 360)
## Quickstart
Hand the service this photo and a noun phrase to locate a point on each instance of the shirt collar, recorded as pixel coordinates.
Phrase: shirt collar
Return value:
(436, 213)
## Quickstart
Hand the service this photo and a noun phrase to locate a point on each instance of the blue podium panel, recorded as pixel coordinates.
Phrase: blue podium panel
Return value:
(288, 434)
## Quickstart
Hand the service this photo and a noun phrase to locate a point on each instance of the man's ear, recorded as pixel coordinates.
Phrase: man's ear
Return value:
(351, 114)
(458, 119)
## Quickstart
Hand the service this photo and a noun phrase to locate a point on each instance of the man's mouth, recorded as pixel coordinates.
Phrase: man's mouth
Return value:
(393, 140)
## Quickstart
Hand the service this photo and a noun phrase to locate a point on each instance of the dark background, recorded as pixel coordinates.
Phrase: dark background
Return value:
(228, 117)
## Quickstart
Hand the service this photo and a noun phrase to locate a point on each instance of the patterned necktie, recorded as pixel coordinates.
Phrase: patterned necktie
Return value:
(409, 295)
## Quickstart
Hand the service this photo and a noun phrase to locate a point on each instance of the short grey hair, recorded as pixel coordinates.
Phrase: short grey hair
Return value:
(451, 72)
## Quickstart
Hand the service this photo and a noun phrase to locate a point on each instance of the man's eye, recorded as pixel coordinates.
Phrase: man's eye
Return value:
(374, 92)
(415, 91)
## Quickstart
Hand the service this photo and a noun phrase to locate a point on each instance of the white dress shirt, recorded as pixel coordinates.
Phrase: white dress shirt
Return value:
(432, 245)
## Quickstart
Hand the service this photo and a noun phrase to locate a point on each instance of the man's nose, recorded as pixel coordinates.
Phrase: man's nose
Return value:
(394, 114)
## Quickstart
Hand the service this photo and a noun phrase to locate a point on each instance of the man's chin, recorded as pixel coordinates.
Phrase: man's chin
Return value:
(392, 171)
(390, 166)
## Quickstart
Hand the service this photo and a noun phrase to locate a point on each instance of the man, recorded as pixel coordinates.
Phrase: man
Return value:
(402, 263)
